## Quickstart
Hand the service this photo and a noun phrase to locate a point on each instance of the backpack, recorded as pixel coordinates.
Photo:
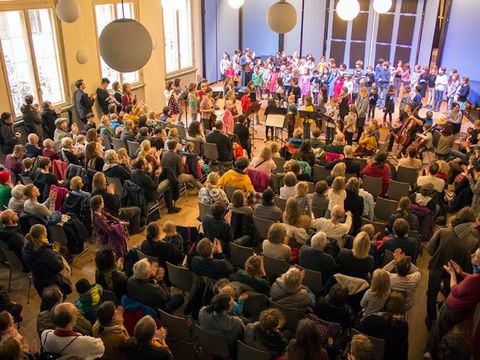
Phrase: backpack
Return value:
(51, 355)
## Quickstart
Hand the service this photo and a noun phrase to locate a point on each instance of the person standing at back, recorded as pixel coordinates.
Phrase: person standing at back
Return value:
(83, 101)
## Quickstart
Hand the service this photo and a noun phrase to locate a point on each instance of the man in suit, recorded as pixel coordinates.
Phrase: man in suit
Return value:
(173, 161)
(224, 145)
(83, 101)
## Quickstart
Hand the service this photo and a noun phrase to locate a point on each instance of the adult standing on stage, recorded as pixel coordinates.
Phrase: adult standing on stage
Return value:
(246, 62)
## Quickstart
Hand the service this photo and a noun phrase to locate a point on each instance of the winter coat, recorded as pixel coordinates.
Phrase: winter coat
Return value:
(294, 298)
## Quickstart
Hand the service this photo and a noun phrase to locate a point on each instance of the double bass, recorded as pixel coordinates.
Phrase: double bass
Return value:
(405, 132)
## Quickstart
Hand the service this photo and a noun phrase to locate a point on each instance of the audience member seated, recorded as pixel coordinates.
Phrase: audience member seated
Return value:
(265, 334)
(294, 216)
(357, 262)
(361, 348)
(267, 209)
(337, 193)
(254, 275)
(128, 133)
(301, 169)
(61, 131)
(113, 169)
(109, 327)
(319, 199)
(352, 166)
(76, 186)
(264, 162)
(375, 298)
(159, 248)
(195, 131)
(63, 340)
(49, 150)
(106, 128)
(210, 260)
(334, 307)
(297, 139)
(173, 161)
(301, 197)
(288, 190)
(411, 161)
(215, 227)
(338, 144)
(89, 297)
(9, 137)
(404, 211)
(332, 227)
(307, 343)
(314, 258)
(389, 326)
(94, 156)
(354, 203)
(109, 230)
(31, 147)
(401, 240)
(289, 291)
(10, 233)
(5, 188)
(148, 342)
(146, 286)
(305, 153)
(379, 168)
(238, 202)
(33, 207)
(44, 179)
(276, 244)
(13, 162)
(68, 153)
(224, 146)
(431, 178)
(237, 177)
(108, 272)
(404, 276)
(211, 194)
(8, 329)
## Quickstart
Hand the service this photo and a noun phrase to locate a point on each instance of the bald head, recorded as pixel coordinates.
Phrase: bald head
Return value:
(338, 212)
(348, 151)
(33, 139)
(8, 218)
(64, 316)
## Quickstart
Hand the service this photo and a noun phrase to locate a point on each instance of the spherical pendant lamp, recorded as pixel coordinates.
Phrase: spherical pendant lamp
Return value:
(125, 45)
(236, 4)
(382, 6)
(68, 10)
(282, 17)
(348, 9)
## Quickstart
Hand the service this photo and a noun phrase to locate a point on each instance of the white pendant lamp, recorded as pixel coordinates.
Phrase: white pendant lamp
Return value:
(382, 6)
(236, 4)
(68, 10)
(282, 17)
(125, 45)
(348, 9)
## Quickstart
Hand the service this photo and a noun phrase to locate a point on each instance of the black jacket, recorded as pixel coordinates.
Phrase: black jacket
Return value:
(83, 103)
(48, 122)
(31, 120)
(103, 98)
(163, 251)
(45, 265)
(110, 201)
(243, 135)
(355, 204)
(218, 229)
(32, 150)
(118, 172)
(148, 292)
(150, 352)
(147, 183)
(352, 167)
(8, 138)
(224, 145)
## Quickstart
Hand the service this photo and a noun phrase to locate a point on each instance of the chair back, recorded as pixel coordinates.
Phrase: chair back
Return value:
(397, 190)
(384, 208)
(350, 175)
(378, 345)
(255, 304)
(213, 344)
(407, 175)
(279, 163)
(10, 259)
(204, 209)
(261, 227)
(117, 185)
(362, 162)
(118, 144)
(379, 227)
(180, 277)
(229, 190)
(312, 279)
(311, 187)
(275, 266)
(196, 147)
(210, 151)
(387, 257)
(26, 180)
(320, 173)
(133, 147)
(177, 326)
(281, 203)
(106, 142)
(239, 254)
(292, 315)
(373, 185)
(182, 132)
(245, 352)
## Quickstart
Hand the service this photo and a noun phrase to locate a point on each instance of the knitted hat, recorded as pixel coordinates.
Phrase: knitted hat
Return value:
(59, 121)
(82, 286)
(4, 176)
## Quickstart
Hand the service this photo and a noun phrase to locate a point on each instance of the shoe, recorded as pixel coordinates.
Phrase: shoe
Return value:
(174, 210)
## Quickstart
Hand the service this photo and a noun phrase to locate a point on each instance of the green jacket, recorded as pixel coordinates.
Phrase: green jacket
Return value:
(5, 195)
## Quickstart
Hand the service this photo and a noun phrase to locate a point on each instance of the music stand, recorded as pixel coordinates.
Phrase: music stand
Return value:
(278, 121)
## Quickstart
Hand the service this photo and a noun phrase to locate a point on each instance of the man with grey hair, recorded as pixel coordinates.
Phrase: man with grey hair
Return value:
(31, 147)
(314, 258)
(352, 165)
(332, 227)
(147, 287)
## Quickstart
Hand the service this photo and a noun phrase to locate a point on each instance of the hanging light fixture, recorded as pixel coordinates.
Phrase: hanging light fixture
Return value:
(68, 10)
(282, 17)
(382, 6)
(348, 9)
(236, 4)
(125, 45)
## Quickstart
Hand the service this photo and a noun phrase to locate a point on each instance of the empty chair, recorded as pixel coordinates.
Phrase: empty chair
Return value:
(378, 345)
(180, 277)
(279, 163)
(275, 266)
(281, 203)
(245, 352)
(210, 151)
(254, 304)
(260, 227)
(117, 185)
(397, 190)
(407, 175)
(229, 190)
(118, 144)
(312, 279)
(373, 185)
(320, 173)
(211, 343)
(179, 336)
(239, 254)
(292, 316)
(133, 147)
(13, 263)
(384, 208)
(106, 142)
(204, 209)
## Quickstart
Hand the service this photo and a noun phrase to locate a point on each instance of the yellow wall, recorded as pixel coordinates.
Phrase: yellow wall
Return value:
(82, 35)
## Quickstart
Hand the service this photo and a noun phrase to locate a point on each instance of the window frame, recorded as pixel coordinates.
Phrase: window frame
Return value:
(24, 7)
(136, 14)
(180, 70)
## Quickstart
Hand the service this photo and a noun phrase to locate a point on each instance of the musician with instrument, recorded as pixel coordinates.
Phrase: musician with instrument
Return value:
(406, 134)
(367, 143)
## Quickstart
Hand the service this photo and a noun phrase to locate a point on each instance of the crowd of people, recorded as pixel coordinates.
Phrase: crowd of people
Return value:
(66, 176)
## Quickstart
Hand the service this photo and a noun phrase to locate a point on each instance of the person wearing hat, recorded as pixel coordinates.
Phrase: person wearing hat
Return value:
(61, 130)
(5, 188)
(89, 298)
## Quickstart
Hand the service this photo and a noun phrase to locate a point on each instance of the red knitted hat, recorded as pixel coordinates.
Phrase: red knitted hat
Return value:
(4, 176)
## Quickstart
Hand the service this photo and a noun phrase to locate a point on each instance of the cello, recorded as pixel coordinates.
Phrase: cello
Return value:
(405, 132)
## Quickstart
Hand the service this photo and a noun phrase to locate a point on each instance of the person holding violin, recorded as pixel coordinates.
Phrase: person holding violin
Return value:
(406, 134)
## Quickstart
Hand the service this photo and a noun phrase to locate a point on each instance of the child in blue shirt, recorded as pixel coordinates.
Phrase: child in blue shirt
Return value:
(428, 118)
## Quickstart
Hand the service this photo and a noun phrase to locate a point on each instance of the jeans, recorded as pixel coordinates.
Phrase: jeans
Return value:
(438, 99)
(189, 179)
(431, 97)
(435, 278)
(371, 111)
(382, 94)
(455, 153)
(462, 105)
(450, 103)
(132, 215)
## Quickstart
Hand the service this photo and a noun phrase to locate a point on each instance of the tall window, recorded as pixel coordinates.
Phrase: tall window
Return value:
(177, 25)
(31, 56)
(105, 14)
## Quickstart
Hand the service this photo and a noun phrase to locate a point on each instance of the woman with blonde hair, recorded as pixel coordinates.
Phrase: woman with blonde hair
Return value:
(302, 199)
(152, 155)
(339, 169)
(275, 149)
(337, 194)
(264, 161)
(293, 215)
(211, 194)
(357, 262)
(375, 298)
(124, 159)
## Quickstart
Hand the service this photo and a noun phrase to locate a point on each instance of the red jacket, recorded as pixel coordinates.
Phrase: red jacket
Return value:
(381, 171)
(245, 103)
(465, 296)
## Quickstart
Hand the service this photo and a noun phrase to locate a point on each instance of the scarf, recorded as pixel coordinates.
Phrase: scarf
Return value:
(272, 341)
(108, 277)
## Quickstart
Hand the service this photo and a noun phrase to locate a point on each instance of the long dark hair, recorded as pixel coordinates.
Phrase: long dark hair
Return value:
(152, 231)
(219, 303)
(307, 343)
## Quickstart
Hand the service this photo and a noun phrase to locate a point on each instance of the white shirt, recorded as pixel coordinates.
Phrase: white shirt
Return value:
(438, 184)
(333, 230)
(287, 192)
(86, 347)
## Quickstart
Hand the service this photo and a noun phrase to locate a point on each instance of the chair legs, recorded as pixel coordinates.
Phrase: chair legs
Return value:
(29, 287)
(85, 251)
